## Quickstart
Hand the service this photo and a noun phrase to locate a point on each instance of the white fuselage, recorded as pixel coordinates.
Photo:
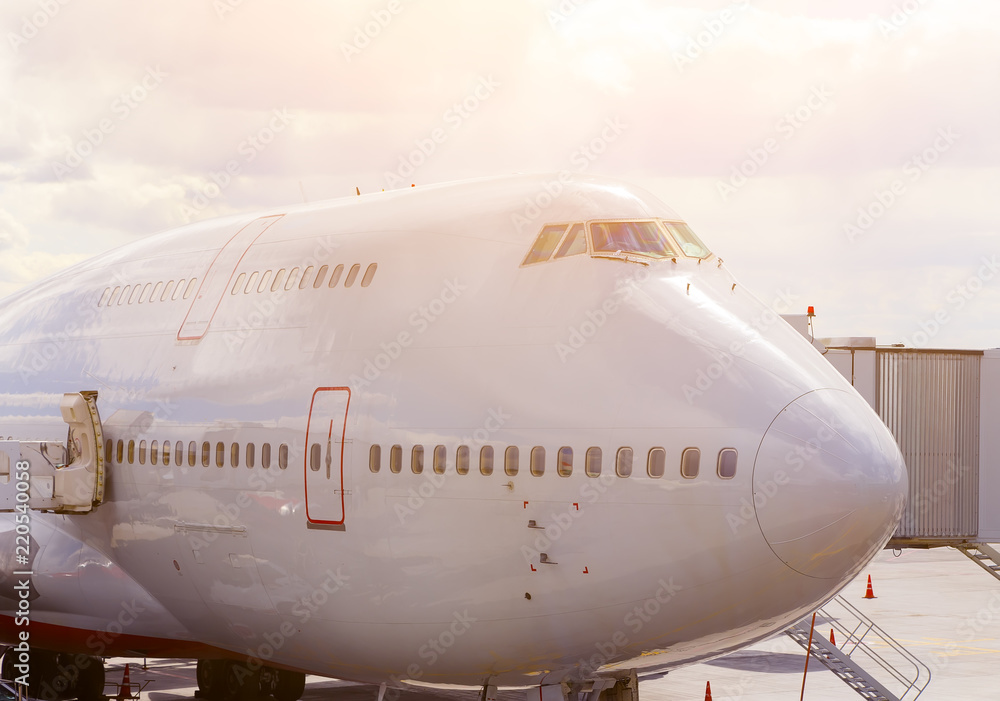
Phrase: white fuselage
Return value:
(438, 578)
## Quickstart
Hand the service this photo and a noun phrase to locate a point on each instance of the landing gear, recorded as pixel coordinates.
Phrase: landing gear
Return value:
(56, 675)
(225, 680)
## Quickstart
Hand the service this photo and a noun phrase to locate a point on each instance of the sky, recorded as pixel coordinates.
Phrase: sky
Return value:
(840, 155)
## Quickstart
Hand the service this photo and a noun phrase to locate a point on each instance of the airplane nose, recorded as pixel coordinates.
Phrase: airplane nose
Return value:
(829, 484)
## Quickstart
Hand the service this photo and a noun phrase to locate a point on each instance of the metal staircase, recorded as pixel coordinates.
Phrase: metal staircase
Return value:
(986, 556)
(855, 661)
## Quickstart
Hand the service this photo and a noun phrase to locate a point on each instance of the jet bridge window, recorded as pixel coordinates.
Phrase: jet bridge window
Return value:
(645, 238)
(690, 244)
(545, 244)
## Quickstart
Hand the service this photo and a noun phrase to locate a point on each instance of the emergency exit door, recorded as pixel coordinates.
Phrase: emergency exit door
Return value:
(324, 455)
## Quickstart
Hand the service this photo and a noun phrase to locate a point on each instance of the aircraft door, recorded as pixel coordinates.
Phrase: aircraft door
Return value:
(325, 455)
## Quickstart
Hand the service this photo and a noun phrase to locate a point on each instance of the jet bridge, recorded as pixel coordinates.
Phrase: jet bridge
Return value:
(53, 476)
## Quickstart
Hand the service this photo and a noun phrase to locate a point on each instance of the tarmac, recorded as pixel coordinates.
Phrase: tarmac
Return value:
(936, 603)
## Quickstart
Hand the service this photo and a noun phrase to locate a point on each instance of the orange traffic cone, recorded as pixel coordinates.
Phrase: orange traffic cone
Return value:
(869, 594)
(708, 691)
(833, 640)
(125, 690)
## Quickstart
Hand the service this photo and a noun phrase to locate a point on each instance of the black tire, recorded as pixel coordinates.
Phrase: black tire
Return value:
(242, 684)
(290, 686)
(211, 675)
(90, 682)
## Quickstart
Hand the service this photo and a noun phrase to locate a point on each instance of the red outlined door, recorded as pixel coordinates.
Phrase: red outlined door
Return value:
(324, 455)
(218, 278)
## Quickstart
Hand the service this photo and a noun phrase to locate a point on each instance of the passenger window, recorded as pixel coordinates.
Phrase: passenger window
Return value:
(279, 277)
(125, 293)
(462, 460)
(417, 459)
(305, 278)
(166, 290)
(283, 456)
(375, 458)
(546, 242)
(623, 465)
(293, 278)
(251, 283)
(440, 455)
(486, 460)
(220, 454)
(510, 460)
(190, 287)
(727, 463)
(265, 456)
(120, 451)
(689, 242)
(656, 463)
(369, 275)
(315, 454)
(145, 292)
(593, 466)
(335, 275)
(690, 459)
(178, 290)
(108, 446)
(104, 297)
(264, 280)
(564, 462)
(154, 450)
(320, 276)
(574, 243)
(111, 299)
(206, 453)
(234, 455)
(538, 461)
(352, 274)
(251, 455)
(131, 452)
(135, 291)
(142, 452)
(192, 453)
(156, 291)
(395, 459)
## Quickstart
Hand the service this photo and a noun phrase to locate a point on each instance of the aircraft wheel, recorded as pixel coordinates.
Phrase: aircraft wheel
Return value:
(289, 686)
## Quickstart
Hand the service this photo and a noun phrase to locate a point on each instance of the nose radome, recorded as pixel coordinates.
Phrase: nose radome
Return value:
(829, 484)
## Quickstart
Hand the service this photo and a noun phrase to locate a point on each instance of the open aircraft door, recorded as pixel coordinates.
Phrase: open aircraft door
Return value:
(325, 456)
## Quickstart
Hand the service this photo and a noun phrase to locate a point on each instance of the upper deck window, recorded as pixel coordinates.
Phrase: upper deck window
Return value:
(689, 242)
(642, 237)
(546, 242)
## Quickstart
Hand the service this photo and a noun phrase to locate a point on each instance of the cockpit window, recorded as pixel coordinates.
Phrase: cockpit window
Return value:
(574, 243)
(642, 237)
(689, 242)
(546, 242)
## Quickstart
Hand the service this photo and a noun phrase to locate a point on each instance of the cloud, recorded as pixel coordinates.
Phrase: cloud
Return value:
(12, 233)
